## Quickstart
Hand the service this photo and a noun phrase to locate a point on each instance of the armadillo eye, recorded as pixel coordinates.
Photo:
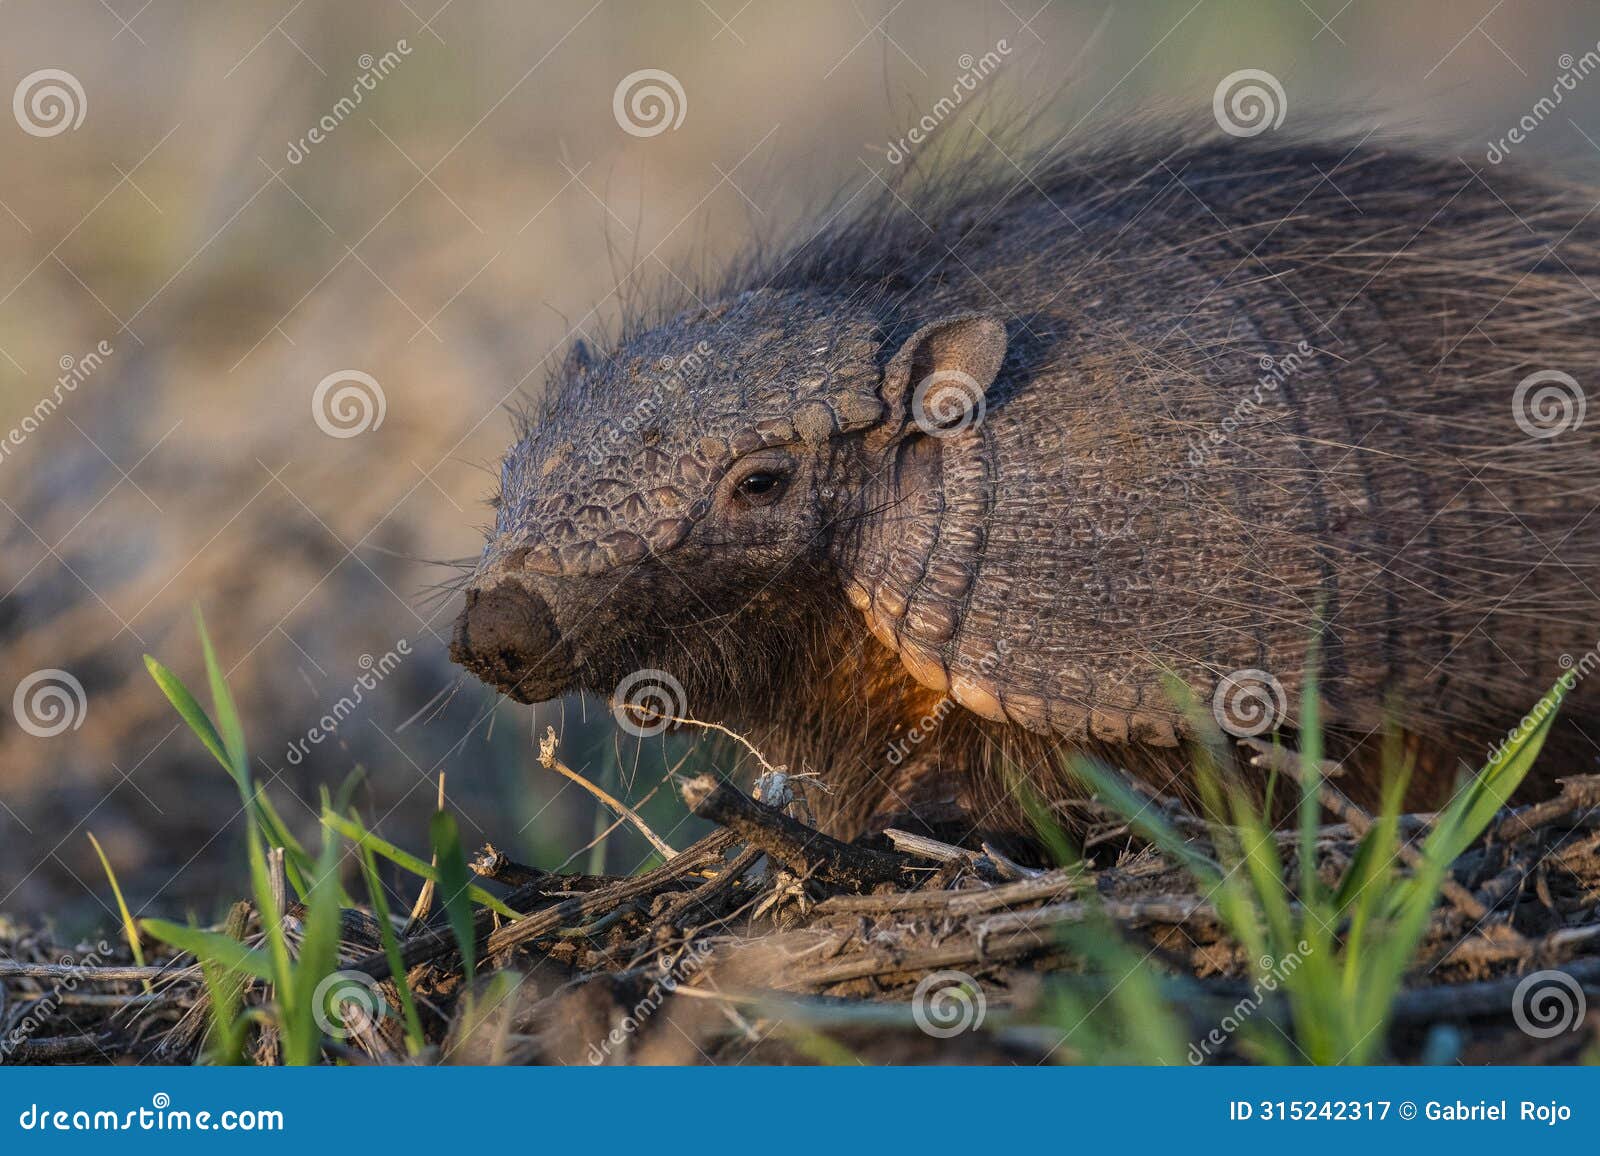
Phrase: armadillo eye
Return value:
(763, 485)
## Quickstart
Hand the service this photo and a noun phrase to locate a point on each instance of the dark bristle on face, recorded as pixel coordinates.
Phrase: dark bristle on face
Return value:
(1015, 456)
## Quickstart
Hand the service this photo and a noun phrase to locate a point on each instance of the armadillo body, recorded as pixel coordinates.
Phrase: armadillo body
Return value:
(1243, 398)
(1217, 403)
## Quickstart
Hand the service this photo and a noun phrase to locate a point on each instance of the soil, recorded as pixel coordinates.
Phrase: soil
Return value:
(766, 942)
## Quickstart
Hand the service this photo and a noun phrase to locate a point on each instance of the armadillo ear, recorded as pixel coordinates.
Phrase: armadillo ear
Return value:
(940, 375)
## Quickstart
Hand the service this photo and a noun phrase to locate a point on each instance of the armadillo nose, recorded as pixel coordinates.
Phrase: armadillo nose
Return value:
(507, 636)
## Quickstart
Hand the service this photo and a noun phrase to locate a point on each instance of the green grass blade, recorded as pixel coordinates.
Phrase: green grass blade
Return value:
(1410, 907)
(129, 928)
(415, 1040)
(1366, 887)
(1265, 872)
(212, 947)
(1141, 815)
(190, 711)
(1342, 991)
(1310, 757)
(361, 837)
(319, 957)
(261, 809)
(224, 1043)
(266, 905)
(454, 883)
(297, 862)
(1499, 779)
(1135, 1021)
(1043, 821)
(229, 729)
(199, 722)
(1470, 812)
(231, 733)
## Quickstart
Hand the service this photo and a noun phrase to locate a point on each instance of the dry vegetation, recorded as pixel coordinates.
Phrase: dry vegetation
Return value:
(768, 942)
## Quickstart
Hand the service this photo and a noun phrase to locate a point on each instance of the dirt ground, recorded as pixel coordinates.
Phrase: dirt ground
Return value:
(765, 942)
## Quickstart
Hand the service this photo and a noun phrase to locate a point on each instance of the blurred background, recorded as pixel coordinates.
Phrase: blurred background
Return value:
(258, 338)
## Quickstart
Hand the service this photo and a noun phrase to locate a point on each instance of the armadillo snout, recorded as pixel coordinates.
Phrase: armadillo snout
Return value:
(507, 636)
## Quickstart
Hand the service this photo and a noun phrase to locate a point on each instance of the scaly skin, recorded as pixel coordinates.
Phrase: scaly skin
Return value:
(1221, 400)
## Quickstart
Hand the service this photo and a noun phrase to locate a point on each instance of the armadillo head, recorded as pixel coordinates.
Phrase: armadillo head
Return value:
(683, 505)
